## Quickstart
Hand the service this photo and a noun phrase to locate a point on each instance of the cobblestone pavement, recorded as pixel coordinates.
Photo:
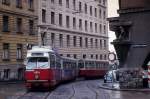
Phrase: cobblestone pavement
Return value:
(88, 89)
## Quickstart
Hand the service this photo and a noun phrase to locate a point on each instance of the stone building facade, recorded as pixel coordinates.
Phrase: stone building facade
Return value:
(18, 19)
(132, 41)
(75, 28)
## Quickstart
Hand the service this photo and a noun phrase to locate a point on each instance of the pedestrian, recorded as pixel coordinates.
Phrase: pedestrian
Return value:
(145, 78)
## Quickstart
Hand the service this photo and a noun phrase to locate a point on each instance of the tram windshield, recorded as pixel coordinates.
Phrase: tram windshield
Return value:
(37, 63)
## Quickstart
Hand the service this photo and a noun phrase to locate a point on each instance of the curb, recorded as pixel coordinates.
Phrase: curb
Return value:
(117, 89)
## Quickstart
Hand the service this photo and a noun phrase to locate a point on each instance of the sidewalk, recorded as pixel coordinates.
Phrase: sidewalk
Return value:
(115, 87)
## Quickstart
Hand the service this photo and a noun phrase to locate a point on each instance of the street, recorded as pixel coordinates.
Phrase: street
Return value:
(86, 89)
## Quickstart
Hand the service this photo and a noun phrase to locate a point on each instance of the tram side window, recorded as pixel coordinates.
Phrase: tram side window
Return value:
(65, 65)
(81, 65)
(52, 61)
(58, 62)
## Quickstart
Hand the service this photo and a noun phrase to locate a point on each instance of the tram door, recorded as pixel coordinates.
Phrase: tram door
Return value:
(81, 64)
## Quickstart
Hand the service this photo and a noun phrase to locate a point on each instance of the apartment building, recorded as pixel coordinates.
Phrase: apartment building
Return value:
(75, 28)
(18, 19)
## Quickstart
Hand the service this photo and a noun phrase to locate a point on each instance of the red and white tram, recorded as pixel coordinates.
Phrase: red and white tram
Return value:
(46, 68)
(92, 68)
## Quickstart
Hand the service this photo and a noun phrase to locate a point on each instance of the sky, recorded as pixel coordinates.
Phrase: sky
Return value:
(112, 12)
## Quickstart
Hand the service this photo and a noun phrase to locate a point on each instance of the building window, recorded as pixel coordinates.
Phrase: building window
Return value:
(74, 23)
(6, 74)
(74, 41)
(96, 43)
(91, 40)
(91, 26)
(19, 25)
(30, 3)
(100, 13)
(6, 2)
(86, 42)
(104, 2)
(60, 19)
(68, 40)
(5, 23)
(105, 44)
(84, 56)
(43, 15)
(52, 39)
(92, 56)
(100, 1)
(52, 1)
(75, 56)
(19, 51)
(67, 21)
(100, 44)
(74, 4)
(105, 57)
(67, 3)
(104, 15)
(85, 8)
(104, 29)
(96, 56)
(101, 57)
(68, 55)
(80, 7)
(20, 73)
(95, 27)
(60, 2)
(52, 17)
(95, 12)
(60, 40)
(80, 41)
(86, 25)
(100, 28)
(80, 24)
(6, 51)
(91, 12)
(19, 3)
(31, 27)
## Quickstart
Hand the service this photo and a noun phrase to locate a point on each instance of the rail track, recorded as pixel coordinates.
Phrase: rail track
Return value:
(34, 95)
(75, 90)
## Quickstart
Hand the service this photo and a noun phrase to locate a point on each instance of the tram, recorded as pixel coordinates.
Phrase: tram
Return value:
(92, 68)
(69, 69)
(45, 68)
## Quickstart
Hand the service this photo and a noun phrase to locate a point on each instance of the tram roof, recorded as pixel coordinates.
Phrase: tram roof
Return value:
(41, 49)
(92, 60)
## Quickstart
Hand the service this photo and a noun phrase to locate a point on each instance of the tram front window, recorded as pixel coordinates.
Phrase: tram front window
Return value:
(32, 63)
(37, 63)
(43, 63)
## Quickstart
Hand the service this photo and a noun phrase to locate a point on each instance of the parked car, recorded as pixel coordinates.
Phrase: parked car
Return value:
(110, 76)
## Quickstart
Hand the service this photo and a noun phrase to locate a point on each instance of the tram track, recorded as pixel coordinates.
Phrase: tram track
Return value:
(96, 93)
(71, 97)
(69, 91)
(28, 95)
(47, 96)
(23, 95)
